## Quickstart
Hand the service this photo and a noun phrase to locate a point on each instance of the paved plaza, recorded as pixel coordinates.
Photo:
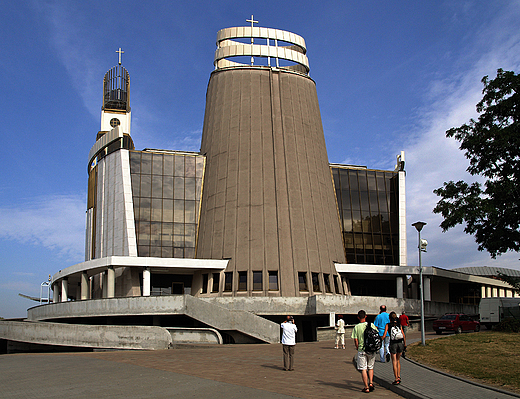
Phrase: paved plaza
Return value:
(225, 371)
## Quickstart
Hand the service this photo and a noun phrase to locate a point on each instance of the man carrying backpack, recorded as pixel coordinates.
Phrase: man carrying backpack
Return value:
(366, 354)
(382, 319)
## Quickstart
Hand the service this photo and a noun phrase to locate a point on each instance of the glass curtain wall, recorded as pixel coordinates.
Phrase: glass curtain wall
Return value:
(166, 190)
(368, 210)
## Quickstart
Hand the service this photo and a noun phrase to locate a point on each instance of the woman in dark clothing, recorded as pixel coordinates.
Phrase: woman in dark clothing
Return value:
(397, 345)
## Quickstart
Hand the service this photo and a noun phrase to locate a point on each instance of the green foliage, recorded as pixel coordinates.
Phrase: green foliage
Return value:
(491, 211)
(510, 325)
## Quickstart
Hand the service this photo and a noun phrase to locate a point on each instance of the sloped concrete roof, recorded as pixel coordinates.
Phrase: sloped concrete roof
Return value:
(488, 271)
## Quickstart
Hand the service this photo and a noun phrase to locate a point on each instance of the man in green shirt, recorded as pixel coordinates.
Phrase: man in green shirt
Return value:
(365, 360)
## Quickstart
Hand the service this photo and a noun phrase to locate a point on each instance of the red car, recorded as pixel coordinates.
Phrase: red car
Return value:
(455, 322)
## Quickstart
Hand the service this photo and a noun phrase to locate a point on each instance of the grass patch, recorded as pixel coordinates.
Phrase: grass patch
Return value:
(490, 357)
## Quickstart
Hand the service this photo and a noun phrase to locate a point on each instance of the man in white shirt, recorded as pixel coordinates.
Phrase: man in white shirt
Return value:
(288, 342)
(340, 332)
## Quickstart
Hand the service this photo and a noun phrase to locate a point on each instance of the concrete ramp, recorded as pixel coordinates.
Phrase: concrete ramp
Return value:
(86, 336)
(204, 310)
(224, 319)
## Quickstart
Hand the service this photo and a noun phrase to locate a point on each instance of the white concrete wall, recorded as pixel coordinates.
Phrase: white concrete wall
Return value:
(115, 223)
(403, 261)
(79, 335)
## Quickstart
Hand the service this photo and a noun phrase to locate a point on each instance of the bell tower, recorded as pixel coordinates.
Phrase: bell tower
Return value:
(116, 99)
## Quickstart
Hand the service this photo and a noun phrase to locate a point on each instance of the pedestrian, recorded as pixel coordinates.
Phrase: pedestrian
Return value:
(288, 343)
(340, 332)
(397, 344)
(365, 360)
(405, 322)
(382, 319)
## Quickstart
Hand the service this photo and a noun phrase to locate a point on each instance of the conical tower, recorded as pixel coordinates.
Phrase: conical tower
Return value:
(268, 201)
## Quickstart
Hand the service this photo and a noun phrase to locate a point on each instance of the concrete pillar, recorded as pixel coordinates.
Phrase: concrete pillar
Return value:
(211, 276)
(146, 282)
(64, 290)
(111, 282)
(84, 286)
(104, 281)
(332, 319)
(483, 291)
(77, 295)
(427, 289)
(399, 286)
(55, 293)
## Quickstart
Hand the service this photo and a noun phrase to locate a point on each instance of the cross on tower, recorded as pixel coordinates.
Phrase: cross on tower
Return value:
(120, 52)
(252, 20)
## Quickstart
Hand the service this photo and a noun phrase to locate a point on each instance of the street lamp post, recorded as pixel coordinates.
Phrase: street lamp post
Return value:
(418, 226)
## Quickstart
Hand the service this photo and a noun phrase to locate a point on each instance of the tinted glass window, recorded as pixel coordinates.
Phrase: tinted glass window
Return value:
(257, 281)
(273, 280)
(368, 204)
(166, 190)
(302, 281)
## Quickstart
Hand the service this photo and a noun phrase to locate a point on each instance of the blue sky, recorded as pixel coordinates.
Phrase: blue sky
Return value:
(390, 76)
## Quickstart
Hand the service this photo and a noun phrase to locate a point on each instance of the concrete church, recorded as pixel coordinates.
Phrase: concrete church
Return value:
(219, 245)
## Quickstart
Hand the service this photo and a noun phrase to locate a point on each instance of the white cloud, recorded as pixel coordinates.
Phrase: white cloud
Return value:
(432, 159)
(55, 222)
(74, 46)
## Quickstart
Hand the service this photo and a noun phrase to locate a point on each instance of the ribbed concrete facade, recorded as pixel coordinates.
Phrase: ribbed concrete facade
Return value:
(268, 199)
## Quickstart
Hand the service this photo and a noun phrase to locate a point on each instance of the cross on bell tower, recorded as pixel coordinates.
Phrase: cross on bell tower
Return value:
(120, 52)
(252, 20)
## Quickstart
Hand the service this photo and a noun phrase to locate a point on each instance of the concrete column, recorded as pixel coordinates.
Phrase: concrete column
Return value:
(210, 282)
(64, 290)
(483, 291)
(78, 292)
(84, 286)
(332, 319)
(427, 289)
(55, 293)
(146, 282)
(399, 285)
(104, 281)
(111, 282)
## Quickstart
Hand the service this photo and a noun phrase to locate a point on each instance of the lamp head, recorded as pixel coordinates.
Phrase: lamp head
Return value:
(419, 225)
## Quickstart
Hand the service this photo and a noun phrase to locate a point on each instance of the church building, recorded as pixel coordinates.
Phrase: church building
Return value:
(256, 225)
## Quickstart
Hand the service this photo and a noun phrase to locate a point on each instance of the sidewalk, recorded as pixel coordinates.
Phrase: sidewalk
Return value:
(219, 372)
(422, 382)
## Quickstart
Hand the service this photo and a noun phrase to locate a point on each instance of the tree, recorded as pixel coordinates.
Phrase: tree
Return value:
(491, 211)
